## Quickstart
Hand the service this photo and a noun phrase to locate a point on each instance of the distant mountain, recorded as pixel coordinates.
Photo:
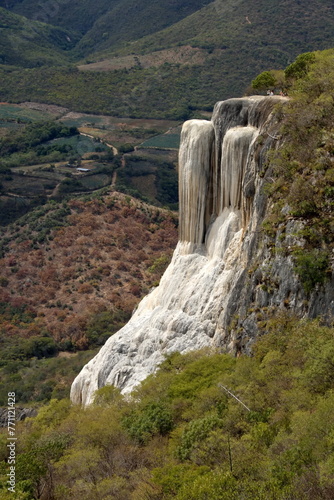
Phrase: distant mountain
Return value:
(270, 32)
(276, 31)
(79, 15)
(29, 43)
(160, 59)
(108, 22)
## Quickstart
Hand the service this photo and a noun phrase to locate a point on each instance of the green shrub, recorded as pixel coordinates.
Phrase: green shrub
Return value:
(300, 66)
(195, 432)
(312, 267)
(264, 80)
(154, 418)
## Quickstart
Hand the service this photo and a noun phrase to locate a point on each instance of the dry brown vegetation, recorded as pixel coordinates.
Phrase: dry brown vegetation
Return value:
(112, 251)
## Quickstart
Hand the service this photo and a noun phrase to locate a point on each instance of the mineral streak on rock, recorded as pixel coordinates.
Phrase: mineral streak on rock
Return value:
(222, 205)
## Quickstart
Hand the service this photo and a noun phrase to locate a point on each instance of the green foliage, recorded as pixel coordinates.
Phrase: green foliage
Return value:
(196, 377)
(107, 396)
(30, 146)
(265, 80)
(303, 183)
(42, 347)
(214, 485)
(154, 418)
(195, 432)
(180, 436)
(102, 325)
(312, 267)
(167, 185)
(40, 379)
(300, 66)
(174, 477)
(126, 148)
(161, 189)
(33, 135)
(160, 264)
(70, 186)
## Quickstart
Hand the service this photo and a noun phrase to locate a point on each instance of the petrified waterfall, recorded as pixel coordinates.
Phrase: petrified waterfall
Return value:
(221, 171)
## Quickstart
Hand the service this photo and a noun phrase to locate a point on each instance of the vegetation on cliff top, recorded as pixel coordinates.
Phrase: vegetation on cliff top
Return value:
(302, 187)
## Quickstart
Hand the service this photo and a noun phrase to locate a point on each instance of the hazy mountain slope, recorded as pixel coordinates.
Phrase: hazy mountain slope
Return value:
(260, 29)
(30, 43)
(108, 22)
(237, 40)
(130, 20)
(79, 15)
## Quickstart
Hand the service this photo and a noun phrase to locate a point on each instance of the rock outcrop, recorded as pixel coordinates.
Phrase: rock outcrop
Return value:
(222, 270)
(20, 414)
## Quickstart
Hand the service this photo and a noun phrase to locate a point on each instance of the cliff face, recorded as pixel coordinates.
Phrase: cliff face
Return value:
(223, 275)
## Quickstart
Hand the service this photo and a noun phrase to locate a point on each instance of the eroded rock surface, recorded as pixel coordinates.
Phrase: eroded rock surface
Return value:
(222, 260)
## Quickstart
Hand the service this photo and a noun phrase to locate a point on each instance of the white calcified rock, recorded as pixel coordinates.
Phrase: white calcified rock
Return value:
(220, 209)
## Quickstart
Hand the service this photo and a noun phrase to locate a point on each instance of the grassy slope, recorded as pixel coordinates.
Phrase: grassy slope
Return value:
(27, 43)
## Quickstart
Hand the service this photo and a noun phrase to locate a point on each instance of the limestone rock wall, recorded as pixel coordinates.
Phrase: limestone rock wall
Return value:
(222, 271)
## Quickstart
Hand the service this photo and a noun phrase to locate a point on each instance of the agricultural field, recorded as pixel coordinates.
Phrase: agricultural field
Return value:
(150, 175)
(30, 186)
(100, 149)
(27, 112)
(81, 144)
(118, 131)
(163, 141)
(110, 129)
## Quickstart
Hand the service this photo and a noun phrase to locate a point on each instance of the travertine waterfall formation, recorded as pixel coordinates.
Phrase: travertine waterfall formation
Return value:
(205, 296)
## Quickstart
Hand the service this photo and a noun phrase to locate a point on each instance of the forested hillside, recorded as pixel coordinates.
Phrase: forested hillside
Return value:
(70, 276)
(28, 44)
(219, 47)
(115, 20)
